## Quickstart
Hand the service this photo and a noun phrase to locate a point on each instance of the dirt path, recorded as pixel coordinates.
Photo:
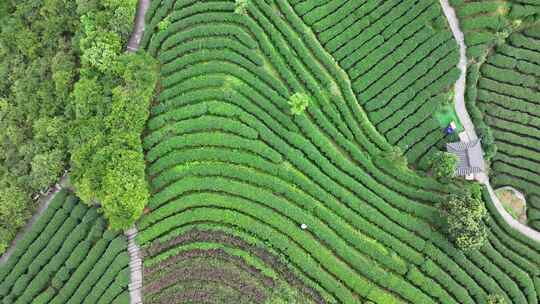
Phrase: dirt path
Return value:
(44, 202)
(465, 119)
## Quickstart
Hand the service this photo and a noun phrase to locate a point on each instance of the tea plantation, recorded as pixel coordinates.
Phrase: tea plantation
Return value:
(401, 62)
(227, 155)
(504, 40)
(68, 256)
(291, 152)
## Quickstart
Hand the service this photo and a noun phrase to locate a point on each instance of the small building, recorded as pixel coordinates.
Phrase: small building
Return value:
(470, 156)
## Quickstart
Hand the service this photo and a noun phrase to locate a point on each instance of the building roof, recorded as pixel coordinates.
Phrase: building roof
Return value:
(470, 156)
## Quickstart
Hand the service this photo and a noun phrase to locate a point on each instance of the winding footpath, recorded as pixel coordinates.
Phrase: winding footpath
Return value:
(44, 202)
(465, 119)
(135, 260)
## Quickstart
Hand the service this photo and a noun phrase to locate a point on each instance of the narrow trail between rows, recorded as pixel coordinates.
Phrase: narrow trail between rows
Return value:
(135, 260)
(465, 119)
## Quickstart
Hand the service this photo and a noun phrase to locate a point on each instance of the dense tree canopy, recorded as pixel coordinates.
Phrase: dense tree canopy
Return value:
(107, 157)
(63, 73)
(37, 73)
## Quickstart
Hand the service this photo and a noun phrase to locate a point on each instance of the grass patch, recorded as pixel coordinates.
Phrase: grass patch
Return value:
(446, 114)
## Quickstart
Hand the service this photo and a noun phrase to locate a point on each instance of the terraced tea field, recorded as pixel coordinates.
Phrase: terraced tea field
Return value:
(234, 173)
(292, 154)
(67, 257)
(504, 39)
(401, 61)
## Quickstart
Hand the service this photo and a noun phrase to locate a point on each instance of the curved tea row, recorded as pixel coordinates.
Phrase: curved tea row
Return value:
(224, 150)
(401, 58)
(503, 40)
(67, 257)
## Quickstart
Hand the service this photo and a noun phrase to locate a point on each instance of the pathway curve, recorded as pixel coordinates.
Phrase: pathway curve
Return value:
(135, 261)
(44, 202)
(465, 119)
(459, 96)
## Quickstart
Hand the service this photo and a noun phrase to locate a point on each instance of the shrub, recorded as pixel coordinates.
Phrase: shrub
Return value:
(164, 24)
(13, 213)
(58, 254)
(444, 164)
(464, 217)
(495, 299)
(394, 156)
(298, 102)
(240, 7)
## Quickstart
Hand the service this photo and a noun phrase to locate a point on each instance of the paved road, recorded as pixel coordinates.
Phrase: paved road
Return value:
(135, 265)
(44, 203)
(459, 96)
(135, 261)
(528, 231)
(465, 119)
(138, 27)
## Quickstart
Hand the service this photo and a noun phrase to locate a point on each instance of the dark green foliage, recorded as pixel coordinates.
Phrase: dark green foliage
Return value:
(37, 72)
(64, 85)
(444, 164)
(464, 216)
(107, 160)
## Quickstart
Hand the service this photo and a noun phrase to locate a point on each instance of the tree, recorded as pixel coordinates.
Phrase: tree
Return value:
(101, 49)
(299, 102)
(444, 164)
(124, 191)
(46, 168)
(6, 235)
(13, 213)
(164, 24)
(241, 7)
(59, 63)
(495, 299)
(464, 215)
(107, 160)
